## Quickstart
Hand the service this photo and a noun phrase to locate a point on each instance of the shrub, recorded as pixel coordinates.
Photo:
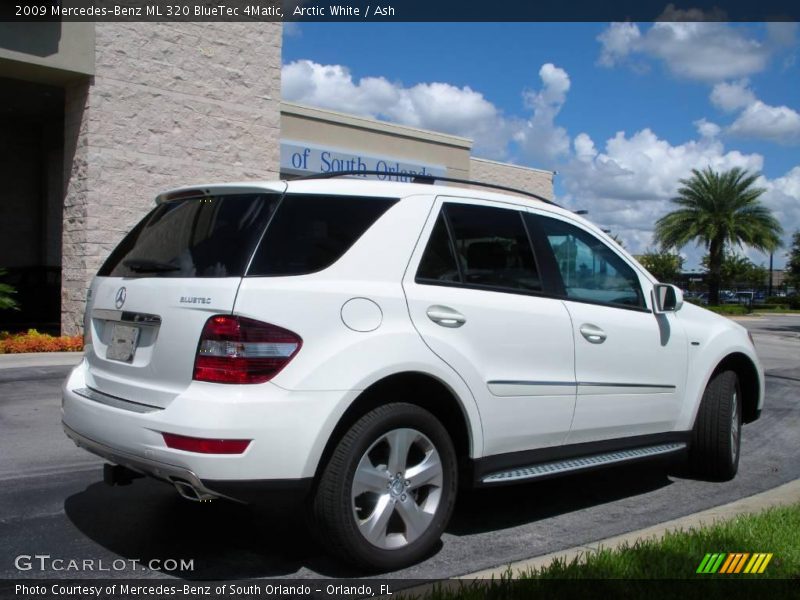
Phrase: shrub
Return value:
(33, 341)
(729, 309)
(6, 291)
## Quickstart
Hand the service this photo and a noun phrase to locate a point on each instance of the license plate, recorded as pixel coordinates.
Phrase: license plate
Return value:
(123, 343)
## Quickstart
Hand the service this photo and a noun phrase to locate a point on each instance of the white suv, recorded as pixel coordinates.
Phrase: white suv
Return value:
(375, 345)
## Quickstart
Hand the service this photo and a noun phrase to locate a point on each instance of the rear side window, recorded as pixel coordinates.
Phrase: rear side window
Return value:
(491, 248)
(311, 232)
(211, 236)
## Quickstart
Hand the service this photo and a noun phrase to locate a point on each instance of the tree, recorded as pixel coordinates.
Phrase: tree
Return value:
(793, 263)
(614, 237)
(663, 264)
(737, 270)
(716, 209)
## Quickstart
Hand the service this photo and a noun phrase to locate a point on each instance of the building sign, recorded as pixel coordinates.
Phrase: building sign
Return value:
(298, 158)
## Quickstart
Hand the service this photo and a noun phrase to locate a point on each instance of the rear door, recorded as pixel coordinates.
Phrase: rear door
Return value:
(476, 296)
(630, 364)
(181, 264)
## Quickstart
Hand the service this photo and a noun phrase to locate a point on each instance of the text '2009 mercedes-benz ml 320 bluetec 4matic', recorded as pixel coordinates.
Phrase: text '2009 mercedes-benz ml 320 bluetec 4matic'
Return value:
(376, 346)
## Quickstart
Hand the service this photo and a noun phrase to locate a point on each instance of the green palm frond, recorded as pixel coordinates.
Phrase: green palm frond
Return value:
(723, 208)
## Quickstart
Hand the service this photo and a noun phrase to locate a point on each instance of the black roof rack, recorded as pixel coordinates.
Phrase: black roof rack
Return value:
(426, 178)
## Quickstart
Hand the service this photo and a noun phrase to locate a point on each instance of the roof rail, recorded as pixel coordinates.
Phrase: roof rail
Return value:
(426, 178)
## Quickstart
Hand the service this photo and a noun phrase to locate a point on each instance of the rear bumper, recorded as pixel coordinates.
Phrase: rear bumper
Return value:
(288, 430)
(240, 491)
(169, 473)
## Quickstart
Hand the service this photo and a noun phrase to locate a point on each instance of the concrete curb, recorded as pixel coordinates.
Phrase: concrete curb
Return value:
(788, 493)
(40, 359)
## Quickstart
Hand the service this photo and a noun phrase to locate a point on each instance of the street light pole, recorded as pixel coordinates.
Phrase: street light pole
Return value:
(769, 284)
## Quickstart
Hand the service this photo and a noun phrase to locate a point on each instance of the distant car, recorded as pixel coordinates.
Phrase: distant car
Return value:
(372, 345)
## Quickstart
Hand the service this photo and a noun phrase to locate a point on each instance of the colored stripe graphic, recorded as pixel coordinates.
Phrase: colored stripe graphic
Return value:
(734, 562)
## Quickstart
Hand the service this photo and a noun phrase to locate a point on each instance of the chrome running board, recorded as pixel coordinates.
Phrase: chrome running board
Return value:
(578, 463)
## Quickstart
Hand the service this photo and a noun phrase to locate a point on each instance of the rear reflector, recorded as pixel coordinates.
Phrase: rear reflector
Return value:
(205, 446)
(241, 350)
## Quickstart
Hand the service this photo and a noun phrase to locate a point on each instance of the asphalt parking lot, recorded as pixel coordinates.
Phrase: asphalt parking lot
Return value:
(53, 501)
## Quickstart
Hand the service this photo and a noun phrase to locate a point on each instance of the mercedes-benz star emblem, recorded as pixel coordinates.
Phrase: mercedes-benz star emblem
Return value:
(119, 300)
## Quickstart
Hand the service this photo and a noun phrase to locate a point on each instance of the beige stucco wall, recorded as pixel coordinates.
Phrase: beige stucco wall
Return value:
(170, 104)
(349, 132)
(536, 181)
(53, 52)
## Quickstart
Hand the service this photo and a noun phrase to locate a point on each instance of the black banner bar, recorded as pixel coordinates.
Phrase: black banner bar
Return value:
(399, 10)
(702, 587)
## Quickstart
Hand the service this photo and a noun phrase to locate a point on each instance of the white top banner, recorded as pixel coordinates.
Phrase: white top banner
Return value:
(299, 158)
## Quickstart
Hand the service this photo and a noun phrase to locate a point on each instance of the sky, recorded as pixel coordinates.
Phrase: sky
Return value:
(622, 111)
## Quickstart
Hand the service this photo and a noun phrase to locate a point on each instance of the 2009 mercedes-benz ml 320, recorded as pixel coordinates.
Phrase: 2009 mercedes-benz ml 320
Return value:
(375, 346)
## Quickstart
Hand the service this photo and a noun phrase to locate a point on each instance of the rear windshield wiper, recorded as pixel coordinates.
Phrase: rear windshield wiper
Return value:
(144, 265)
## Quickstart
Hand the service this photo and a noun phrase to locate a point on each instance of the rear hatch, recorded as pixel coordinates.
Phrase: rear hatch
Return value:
(150, 300)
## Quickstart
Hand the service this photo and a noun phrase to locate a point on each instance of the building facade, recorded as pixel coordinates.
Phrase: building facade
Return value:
(98, 118)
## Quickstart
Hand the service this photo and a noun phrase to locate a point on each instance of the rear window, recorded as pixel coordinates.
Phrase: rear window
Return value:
(311, 232)
(212, 236)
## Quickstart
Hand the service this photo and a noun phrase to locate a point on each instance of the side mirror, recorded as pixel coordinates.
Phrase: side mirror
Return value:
(667, 298)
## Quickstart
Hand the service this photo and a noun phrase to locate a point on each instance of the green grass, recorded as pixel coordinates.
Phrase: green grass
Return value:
(675, 556)
(678, 554)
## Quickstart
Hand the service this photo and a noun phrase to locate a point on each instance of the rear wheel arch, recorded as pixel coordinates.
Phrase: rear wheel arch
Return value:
(412, 387)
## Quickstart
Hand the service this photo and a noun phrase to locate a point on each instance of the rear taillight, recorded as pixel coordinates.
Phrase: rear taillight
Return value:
(241, 350)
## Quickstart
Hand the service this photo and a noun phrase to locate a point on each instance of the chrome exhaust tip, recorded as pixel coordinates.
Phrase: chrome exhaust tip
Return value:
(188, 491)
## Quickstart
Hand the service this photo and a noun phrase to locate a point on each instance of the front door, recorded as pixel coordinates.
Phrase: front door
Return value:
(630, 364)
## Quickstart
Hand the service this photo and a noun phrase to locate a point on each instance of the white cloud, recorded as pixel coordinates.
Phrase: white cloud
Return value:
(756, 119)
(732, 96)
(584, 148)
(437, 106)
(783, 197)
(693, 50)
(539, 138)
(441, 107)
(707, 129)
(618, 41)
(292, 29)
(779, 124)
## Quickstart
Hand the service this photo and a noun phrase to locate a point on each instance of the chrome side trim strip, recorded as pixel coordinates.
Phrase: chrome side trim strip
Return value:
(625, 385)
(125, 316)
(583, 384)
(115, 402)
(582, 462)
(512, 382)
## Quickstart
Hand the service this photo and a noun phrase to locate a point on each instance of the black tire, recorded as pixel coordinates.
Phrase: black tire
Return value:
(717, 434)
(334, 509)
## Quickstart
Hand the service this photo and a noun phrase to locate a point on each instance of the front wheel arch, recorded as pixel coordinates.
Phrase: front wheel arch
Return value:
(749, 382)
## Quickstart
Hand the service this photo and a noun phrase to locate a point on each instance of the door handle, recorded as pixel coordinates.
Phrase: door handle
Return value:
(445, 316)
(593, 334)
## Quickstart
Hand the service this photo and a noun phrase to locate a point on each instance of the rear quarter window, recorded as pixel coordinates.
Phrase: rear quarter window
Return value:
(311, 232)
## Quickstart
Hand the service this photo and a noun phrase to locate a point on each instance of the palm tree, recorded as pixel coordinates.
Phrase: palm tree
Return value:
(718, 209)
